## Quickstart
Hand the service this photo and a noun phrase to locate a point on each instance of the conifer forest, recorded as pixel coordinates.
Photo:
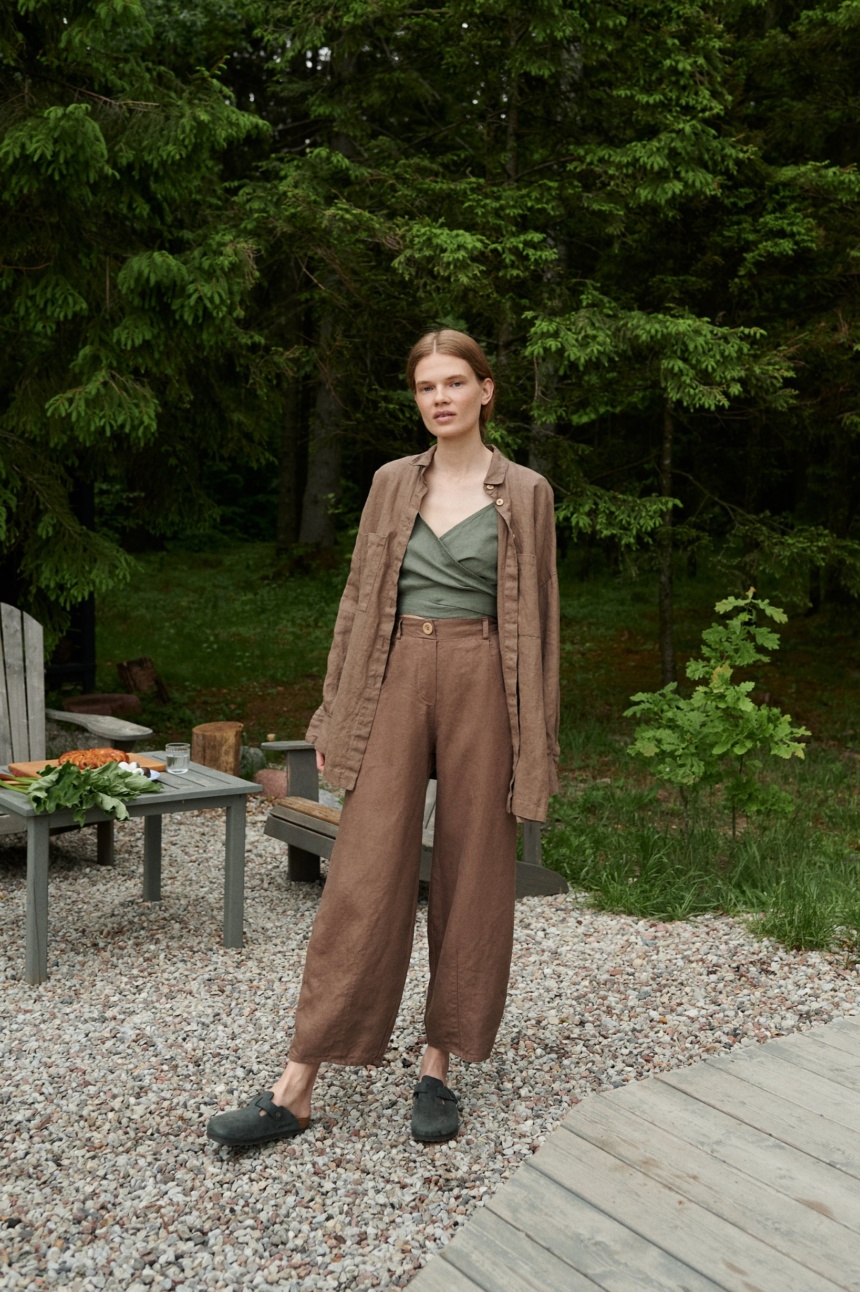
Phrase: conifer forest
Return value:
(223, 223)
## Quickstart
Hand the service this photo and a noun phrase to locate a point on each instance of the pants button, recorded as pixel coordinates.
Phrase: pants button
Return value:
(427, 628)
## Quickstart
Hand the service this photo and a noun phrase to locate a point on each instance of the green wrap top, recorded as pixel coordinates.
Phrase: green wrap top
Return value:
(455, 576)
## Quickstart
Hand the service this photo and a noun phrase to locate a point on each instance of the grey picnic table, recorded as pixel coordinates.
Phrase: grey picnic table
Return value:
(199, 787)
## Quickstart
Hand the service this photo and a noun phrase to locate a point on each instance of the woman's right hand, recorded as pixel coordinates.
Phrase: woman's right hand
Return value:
(320, 761)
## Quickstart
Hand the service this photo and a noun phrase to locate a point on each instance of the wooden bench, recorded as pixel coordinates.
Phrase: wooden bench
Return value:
(309, 828)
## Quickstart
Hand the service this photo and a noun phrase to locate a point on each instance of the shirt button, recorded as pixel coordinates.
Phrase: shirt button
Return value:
(427, 628)
(489, 487)
(499, 502)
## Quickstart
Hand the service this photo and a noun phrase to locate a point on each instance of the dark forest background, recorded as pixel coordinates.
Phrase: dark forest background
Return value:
(222, 224)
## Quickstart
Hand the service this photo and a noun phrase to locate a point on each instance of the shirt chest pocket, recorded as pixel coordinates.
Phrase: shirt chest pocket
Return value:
(371, 565)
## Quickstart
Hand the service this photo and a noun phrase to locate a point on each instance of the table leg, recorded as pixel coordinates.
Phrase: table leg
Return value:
(105, 855)
(36, 957)
(234, 875)
(152, 858)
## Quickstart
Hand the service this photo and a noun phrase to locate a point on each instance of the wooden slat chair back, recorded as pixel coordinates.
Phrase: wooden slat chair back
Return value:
(22, 687)
(22, 710)
(309, 828)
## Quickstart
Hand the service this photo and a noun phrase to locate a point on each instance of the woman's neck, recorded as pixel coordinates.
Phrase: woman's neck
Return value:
(461, 457)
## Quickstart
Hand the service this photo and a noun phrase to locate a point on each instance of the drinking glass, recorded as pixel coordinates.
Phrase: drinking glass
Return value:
(178, 754)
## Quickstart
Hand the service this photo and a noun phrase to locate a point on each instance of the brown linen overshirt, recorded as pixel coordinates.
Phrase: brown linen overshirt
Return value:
(528, 615)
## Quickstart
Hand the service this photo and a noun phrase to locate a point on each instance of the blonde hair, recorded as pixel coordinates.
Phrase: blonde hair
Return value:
(462, 346)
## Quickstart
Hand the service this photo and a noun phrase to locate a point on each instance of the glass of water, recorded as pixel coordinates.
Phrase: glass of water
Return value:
(178, 754)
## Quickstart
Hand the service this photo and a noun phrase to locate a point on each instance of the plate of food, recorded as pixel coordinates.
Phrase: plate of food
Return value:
(88, 759)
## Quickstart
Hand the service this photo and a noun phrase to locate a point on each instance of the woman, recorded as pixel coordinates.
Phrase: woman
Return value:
(444, 663)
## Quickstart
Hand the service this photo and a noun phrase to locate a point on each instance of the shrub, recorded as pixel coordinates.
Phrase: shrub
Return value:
(718, 736)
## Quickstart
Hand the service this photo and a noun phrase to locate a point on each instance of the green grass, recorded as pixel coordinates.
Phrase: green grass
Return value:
(234, 637)
(798, 879)
(218, 619)
(230, 635)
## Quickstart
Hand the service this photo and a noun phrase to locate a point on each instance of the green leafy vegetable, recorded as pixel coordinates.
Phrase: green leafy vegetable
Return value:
(69, 787)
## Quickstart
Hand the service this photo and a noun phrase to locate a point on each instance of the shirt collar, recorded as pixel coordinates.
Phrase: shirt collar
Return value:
(495, 471)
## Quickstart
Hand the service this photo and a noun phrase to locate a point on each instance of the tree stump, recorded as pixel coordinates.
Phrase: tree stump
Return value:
(217, 745)
(140, 676)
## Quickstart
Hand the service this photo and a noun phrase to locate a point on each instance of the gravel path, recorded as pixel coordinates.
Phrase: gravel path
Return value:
(147, 1026)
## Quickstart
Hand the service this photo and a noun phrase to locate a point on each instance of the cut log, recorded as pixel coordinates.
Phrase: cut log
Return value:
(217, 745)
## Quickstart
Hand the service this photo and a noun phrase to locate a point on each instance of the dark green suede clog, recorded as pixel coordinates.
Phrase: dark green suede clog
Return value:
(243, 1126)
(434, 1112)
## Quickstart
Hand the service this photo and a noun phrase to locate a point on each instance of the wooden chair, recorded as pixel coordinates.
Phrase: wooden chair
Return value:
(22, 711)
(309, 828)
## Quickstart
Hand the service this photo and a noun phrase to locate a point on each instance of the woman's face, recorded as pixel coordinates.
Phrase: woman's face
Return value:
(450, 396)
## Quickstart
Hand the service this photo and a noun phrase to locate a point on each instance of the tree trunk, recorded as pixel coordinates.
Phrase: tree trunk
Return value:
(665, 553)
(542, 433)
(287, 523)
(322, 487)
(324, 449)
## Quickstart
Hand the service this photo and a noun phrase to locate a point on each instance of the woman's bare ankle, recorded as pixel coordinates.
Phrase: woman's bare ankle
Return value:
(434, 1064)
(294, 1087)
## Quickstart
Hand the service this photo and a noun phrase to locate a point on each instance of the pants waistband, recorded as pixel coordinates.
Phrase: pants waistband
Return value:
(445, 629)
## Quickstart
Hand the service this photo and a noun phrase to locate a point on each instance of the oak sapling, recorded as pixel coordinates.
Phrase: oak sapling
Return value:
(718, 736)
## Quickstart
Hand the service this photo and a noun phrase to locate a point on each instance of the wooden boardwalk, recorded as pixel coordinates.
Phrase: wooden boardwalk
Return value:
(740, 1173)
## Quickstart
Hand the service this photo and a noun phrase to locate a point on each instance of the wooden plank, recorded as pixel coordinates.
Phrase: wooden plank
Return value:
(835, 1065)
(13, 653)
(809, 1132)
(803, 1235)
(439, 1276)
(297, 810)
(588, 1239)
(539, 881)
(494, 1255)
(210, 776)
(302, 776)
(105, 844)
(34, 665)
(296, 836)
(531, 843)
(430, 804)
(849, 1024)
(152, 858)
(102, 724)
(36, 920)
(734, 1260)
(314, 834)
(234, 874)
(195, 777)
(792, 1172)
(815, 1094)
(5, 722)
(842, 1038)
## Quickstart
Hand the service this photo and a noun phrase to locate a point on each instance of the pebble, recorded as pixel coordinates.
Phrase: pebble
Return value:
(148, 1025)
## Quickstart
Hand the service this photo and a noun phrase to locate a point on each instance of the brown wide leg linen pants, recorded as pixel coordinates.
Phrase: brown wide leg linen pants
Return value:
(442, 700)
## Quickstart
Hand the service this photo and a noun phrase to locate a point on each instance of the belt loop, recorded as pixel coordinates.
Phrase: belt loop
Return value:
(486, 628)
(400, 626)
